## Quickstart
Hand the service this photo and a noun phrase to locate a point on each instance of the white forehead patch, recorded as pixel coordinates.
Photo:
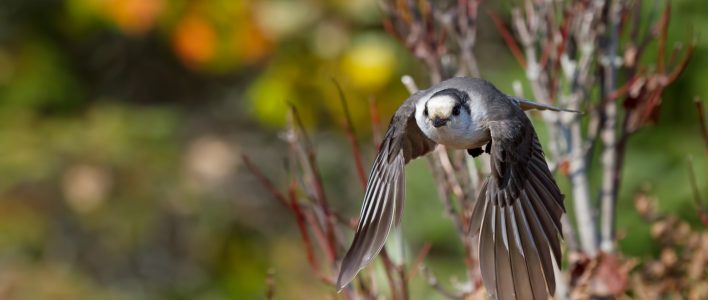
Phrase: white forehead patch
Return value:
(441, 106)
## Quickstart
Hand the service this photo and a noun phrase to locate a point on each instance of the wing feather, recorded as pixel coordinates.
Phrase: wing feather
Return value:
(486, 242)
(548, 225)
(479, 210)
(522, 284)
(540, 239)
(502, 260)
(383, 199)
(520, 207)
(531, 255)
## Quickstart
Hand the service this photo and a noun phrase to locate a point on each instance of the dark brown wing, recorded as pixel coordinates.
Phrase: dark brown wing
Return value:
(383, 199)
(518, 211)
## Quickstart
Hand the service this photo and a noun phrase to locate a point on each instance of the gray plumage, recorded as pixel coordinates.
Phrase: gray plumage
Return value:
(518, 208)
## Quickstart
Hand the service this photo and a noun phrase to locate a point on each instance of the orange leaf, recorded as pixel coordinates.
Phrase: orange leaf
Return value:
(134, 16)
(195, 40)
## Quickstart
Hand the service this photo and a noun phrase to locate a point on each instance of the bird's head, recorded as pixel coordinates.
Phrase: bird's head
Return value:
(448, 116)
(443, 108)
(447, 109)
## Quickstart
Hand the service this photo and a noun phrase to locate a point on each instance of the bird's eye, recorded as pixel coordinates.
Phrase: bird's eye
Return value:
(456, 110)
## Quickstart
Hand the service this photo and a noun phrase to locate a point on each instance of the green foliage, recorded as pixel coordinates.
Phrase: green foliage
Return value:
(36, 77)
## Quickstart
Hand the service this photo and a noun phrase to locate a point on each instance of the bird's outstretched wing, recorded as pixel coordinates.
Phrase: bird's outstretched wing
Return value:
(383, 199)
(518, 211)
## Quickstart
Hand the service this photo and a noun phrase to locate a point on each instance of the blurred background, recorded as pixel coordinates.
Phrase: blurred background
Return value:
(122, 124)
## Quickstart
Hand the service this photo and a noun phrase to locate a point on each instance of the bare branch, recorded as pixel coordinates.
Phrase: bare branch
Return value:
(300, 219)
(389, 269)
(375, 122)
(508, 39)
(419, 260)
(610, 155)
(351, 135)
(310, 163)
(701, 209)
(702, 120)
(270, 285)
(434, 283)
(265, 182)
(409, 83)
(663, 33)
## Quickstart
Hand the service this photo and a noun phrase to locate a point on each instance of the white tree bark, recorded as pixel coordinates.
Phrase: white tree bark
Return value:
(610, 157)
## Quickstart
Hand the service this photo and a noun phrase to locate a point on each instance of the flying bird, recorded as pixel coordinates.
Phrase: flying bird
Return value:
(519, 206)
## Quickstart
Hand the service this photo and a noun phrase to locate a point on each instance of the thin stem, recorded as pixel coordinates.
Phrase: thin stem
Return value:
(265, 181)
(351, 135)
(317, 182)
(419, 260)
(434, 283)
(701, 209)
(300, 219)
(702, 125)
(508, 39)
(270, 285)
(375, 122)
(610, 155)
(389, 268)
(584, 212)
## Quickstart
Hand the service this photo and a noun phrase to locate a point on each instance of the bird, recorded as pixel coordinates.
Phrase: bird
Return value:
(517, 214)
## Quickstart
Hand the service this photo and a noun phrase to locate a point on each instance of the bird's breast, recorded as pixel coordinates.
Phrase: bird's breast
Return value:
(461, 138)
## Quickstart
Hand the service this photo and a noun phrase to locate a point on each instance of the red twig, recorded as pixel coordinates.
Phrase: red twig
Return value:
(270, 285)
(700, 208)
(375, 122)
(389, 267)
(265, 182)
(508, 39)
(702, 121)
(351, 135)
(682, 65)
(300, 218)
(419, 260)
(674, 54)
(653, 100)
(391, 29)
(404, 282)
(319, 189)
(546, 53)
(318, 232)
(425, 11)
(564, 37)
(621, 91)
(663, 32)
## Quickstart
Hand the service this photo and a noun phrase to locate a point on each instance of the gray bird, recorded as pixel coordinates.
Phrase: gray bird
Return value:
(519, 206)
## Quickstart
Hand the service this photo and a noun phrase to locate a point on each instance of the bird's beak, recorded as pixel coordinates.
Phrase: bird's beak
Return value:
(438, 122)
